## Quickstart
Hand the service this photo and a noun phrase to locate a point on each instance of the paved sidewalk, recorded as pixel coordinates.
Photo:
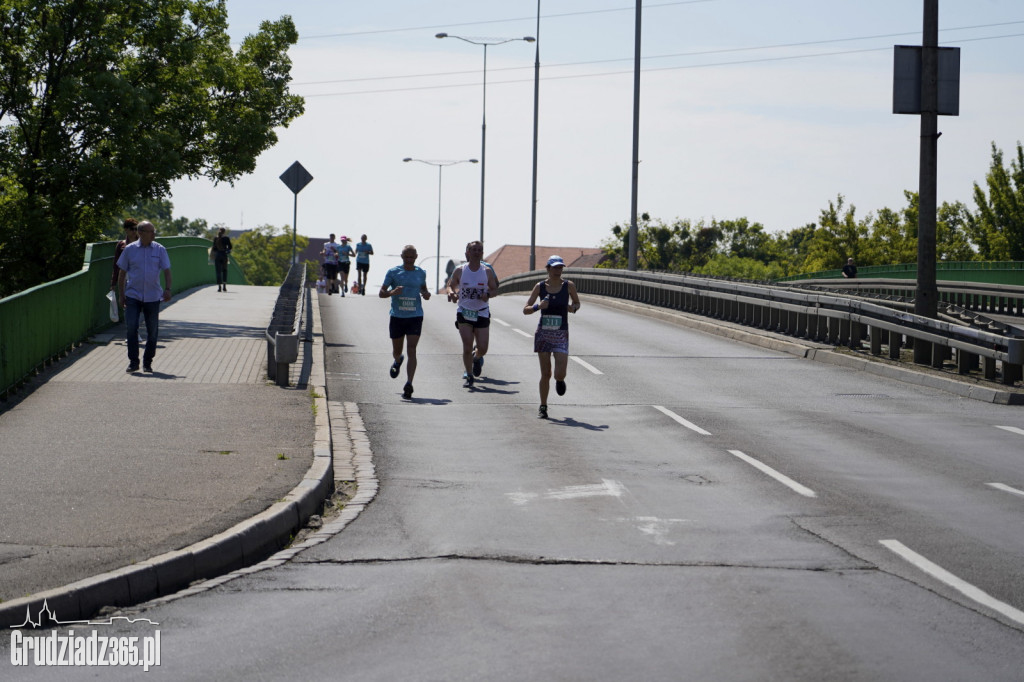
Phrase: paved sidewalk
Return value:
(100, 469)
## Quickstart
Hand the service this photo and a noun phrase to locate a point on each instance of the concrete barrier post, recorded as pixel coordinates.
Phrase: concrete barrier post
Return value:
(989, 370)
(895, 345)
(1012, 373)
(966, 362)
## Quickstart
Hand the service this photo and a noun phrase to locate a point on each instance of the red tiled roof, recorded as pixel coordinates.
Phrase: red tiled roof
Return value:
(512, 259)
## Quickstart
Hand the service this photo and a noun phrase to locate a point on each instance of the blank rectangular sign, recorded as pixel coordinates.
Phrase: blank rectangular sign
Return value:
(906, 82)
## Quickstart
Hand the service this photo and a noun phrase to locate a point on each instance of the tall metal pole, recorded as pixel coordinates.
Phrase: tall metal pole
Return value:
(437, 276)
(636, 141)
(483, 149)
(926, 302)
(295, 221)
(483, 126)
(536, 120)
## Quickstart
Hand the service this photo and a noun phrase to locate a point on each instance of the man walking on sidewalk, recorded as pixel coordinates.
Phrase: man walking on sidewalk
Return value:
(140, 293)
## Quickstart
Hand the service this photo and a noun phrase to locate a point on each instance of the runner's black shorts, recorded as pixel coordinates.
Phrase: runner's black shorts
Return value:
(362, 267)
(481, 322)
(405, 326)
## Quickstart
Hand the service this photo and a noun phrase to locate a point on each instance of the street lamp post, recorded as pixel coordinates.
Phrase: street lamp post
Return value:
(536, 119)
(440, 167)
(486, 42)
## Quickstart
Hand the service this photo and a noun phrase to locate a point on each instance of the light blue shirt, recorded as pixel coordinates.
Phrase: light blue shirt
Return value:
(363, 252)
(409, 303)
(344, 253)
(142, 266)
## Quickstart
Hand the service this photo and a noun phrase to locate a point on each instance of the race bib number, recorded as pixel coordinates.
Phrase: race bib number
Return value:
(470, 315)
(551, 322)
(406, 304)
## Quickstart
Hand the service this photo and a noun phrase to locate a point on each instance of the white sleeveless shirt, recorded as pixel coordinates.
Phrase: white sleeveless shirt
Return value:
(472, 288)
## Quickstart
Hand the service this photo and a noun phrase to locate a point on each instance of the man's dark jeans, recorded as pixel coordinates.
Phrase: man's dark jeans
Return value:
(151, 313)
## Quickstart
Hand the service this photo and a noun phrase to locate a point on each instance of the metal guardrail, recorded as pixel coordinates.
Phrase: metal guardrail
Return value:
(982, 297)
(824, 318)
(40, 325)
(283, 330)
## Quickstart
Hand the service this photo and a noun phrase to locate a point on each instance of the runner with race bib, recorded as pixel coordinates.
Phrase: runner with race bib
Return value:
(554, 298)
(471, 286)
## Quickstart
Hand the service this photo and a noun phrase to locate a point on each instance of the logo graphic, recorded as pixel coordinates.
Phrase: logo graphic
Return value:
(48, 618)
(69, 649)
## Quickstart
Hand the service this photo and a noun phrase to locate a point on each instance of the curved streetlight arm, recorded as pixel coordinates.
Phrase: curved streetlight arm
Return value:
(430, 162)
(486, 41)
(440, 167)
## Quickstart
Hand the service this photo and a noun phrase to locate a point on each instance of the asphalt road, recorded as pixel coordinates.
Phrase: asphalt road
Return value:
(695, 508)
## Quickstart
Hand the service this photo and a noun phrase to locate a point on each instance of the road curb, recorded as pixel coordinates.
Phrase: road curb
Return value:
(244, 544)
(817, 352)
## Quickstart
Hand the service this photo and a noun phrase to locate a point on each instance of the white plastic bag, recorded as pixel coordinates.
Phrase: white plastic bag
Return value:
(113, 306)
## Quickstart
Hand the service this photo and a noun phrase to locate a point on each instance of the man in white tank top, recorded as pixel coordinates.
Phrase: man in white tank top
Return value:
(471, 286)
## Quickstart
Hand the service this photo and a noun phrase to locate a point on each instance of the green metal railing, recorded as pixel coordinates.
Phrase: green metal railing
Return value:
(43, 323)
(991, 272)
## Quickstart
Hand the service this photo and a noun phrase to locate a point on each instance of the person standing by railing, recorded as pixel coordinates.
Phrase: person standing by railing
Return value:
(850, 269)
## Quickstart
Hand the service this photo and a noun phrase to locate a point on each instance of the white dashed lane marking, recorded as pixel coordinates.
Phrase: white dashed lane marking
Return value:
(585, 365)
(1012, 429)
(961, 586)
(1006, 489)
(676, 417)
(781, 478)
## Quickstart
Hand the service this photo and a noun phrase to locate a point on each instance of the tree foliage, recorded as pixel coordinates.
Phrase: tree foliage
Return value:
(160, 212)
(103, 103)
(741, 249)
(998, 227)
(265, 253)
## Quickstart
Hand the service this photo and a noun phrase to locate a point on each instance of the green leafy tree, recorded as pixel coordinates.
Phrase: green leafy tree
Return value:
(265, 253)
(743, 239)
(106, 102)
(660, 246)
(160, 212)
(998, 227)
(893, 236)
(723, 265)
(839, 236)
(952, 239)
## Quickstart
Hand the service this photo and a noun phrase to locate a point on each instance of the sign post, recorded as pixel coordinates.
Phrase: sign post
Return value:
(926, 81)
(295, 178)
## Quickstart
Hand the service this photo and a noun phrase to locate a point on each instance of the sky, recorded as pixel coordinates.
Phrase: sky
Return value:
(748, 108)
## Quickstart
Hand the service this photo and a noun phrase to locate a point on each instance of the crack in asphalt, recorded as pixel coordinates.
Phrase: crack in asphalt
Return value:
(556, 561)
